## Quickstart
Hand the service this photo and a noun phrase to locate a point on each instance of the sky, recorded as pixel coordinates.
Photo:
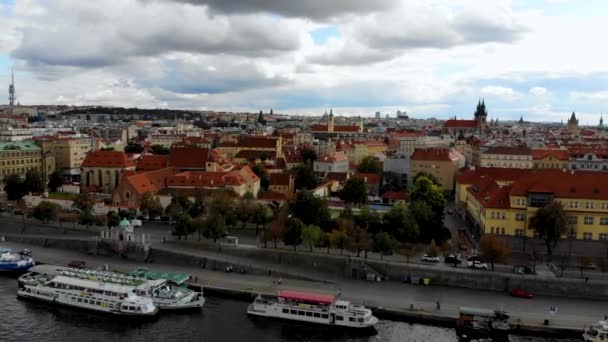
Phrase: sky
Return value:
(540, 59)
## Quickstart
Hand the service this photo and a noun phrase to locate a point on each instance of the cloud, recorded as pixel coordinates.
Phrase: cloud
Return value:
(314, 9)
(590, 96)
(499, 91)
(538, 91)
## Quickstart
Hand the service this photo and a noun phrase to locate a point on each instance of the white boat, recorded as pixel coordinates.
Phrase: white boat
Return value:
(312, 308)
(15, 262)
(93, 295)
(164, 294)
(597, 333)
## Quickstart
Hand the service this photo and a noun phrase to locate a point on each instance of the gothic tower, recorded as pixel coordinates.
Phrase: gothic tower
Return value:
(481, 116)
(330, 121)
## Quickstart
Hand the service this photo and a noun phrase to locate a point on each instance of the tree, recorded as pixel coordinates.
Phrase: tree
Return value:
(424, 189)
(358, 239)
(223, 204)
(293, 232)
(310, 209)
(354, 191)
(494, 249)
(311, 235)
(370, 164)
(84, 202)
(427, 175)
(432, 251)
(425, 219)
(113, 219)
(259, 216)
(87, 218)
(14, 187)
(339, 239)
(183, 226)
(244, 212)
(150, 205)
(198, 207)
(305, 177)
(260, 171)
(134, 148)
(325, 240)
(46, 211)
(179, 204)
(408, 251)
(549, 223)
(277, 227)
(308, 154)
(385, 244)
(160, 150)
(214, 226)
(55, 181)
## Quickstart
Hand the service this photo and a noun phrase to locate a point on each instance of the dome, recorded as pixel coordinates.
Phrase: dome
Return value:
(124, 223)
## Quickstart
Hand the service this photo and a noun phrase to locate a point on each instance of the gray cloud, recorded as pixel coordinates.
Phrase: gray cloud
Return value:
(314, 9)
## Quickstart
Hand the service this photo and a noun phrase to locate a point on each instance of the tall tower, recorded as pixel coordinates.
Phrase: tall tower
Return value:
(330, 121)
(481, 116)
(11, 92)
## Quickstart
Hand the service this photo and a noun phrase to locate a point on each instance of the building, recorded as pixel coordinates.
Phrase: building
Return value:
(331, 129)
(507, 156)
(550, 158)
(187, 158)
(69, 156)
(132, 187)
(282, 183)
(409, 142)
(272, 147)
(479, 124)
(441, 163)
(588, 158)
(396, 170)
(21, 156)
(333, 162)
(240, 182)
(102, 170)
(573, 124)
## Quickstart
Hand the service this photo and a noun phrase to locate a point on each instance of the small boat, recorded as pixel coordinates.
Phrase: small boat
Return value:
(312, 308)
(15, 262)
(597, 332)
(476, 323)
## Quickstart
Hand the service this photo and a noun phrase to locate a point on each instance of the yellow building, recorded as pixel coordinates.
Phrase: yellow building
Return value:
(441, 163)
(19, 157)
(507, 156)
(550, 159)
(505, 207)
(270, 146)
(70, 154)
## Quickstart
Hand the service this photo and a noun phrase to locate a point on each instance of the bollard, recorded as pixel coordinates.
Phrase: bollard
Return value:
(546, 322)
(411, 307)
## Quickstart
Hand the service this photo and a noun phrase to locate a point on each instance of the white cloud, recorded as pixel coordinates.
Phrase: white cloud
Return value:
(538, 91)
(590, 96)
(499, 91)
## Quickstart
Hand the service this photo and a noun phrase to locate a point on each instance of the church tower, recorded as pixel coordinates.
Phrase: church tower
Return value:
(573, 123)
(330, 121)
(481, 116)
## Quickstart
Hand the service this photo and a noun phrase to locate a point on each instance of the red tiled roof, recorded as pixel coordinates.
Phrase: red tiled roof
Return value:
(112, 159)
(257, 141)
(460, 124)
(468, 175)
(346, 128)
(437, 154)
(152, 162)
(273, 196)
(333, 157)
(489, 194)
(369, 178)
(509, 150)
(253, 154)
(189, 157)
(396, 195)
(555, 153)
(151, 181)
(279, 179)
(213, 179)
(586, 184)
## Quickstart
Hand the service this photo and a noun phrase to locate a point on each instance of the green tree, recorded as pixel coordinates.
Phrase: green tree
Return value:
(385, 244)
(494, 249)
(325, 240)
(425, 190)
(260, 171)
(84, 201)
(549, 223)
(310, 209)
(244, 211)
(134, 148)
(276, 230)
(427, 175)
(46, 211)
(179, 204)
(432, 251)
(259, 217)
(425, 219)
(370, 164)
(55, 181)
(113, 219)
(160, 150)
(150, 205)
(358, 239)
(339, 239)
(14, 187)
(198, 206)
(33, 182)
(308, 154)
(87, 218)
(311, 235)
(223, 204)
(214, 226)
(183, 226)
(305, 177)
(354, 191)
(293, 232)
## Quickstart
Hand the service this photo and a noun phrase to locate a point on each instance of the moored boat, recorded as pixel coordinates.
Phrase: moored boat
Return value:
(476, 323)
(312, 308)
(15, 262)
(597, 332)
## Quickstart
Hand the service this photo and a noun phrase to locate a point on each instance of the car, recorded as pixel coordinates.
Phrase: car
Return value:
(477, 265)
(452, 259)
(429, 258)
(77, 264)
(136, 223)
(522, 293)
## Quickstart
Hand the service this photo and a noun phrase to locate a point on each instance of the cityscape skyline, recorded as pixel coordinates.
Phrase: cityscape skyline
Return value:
(529, 59)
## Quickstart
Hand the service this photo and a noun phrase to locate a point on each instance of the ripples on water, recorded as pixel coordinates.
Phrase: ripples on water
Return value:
(221, 320)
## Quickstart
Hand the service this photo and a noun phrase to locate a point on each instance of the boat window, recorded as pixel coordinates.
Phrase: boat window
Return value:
(86, 301)
(339, 318)
(351, 319)
(294, 312)
(308, 313)
(301, 313)
(99, 303)
(285, 310)
(360, 320)
(316, 314)
(324, 316)
(79, 300)
(108, 293)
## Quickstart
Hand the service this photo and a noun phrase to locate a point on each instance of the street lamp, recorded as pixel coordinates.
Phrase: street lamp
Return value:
(44, 170)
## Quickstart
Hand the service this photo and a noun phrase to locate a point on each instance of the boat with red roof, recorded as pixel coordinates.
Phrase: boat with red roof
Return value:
(312, 308)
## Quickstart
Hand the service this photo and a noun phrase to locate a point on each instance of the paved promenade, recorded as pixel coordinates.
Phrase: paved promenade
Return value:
(572, 313)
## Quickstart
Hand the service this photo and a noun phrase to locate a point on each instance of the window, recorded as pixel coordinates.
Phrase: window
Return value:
(339, 318)
(492, 230)
(503, 216)
(519, 232)
(604, 205)
(520, 217)
(79, 300)
(324, 316)
(603, 236)
(308, 313)
(316, 314)
(351, 319)
(493, 215)
(573, 204)
(587, 236)
(502, 230)
(300, 313)
(572, 219)
(589, 205)
(294, 312)
(588, 220)
(604, 221)
(285, 310)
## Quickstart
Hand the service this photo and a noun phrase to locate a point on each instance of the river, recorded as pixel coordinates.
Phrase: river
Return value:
(221, 320)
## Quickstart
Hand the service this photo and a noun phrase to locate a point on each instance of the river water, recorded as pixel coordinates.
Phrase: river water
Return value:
(220, 320)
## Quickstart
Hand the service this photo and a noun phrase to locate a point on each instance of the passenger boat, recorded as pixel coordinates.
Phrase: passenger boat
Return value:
(164, 294)
(93, 295)
(15, 262)
(312, 308)
(596, 333)
(475, 323)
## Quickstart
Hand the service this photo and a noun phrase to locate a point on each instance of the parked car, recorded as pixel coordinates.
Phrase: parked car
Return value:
(522, 293)
(77, 264)
(17, 212)
(136, 223)
(452, 259)
(473, 257)
(429, 258)
(477, 265)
